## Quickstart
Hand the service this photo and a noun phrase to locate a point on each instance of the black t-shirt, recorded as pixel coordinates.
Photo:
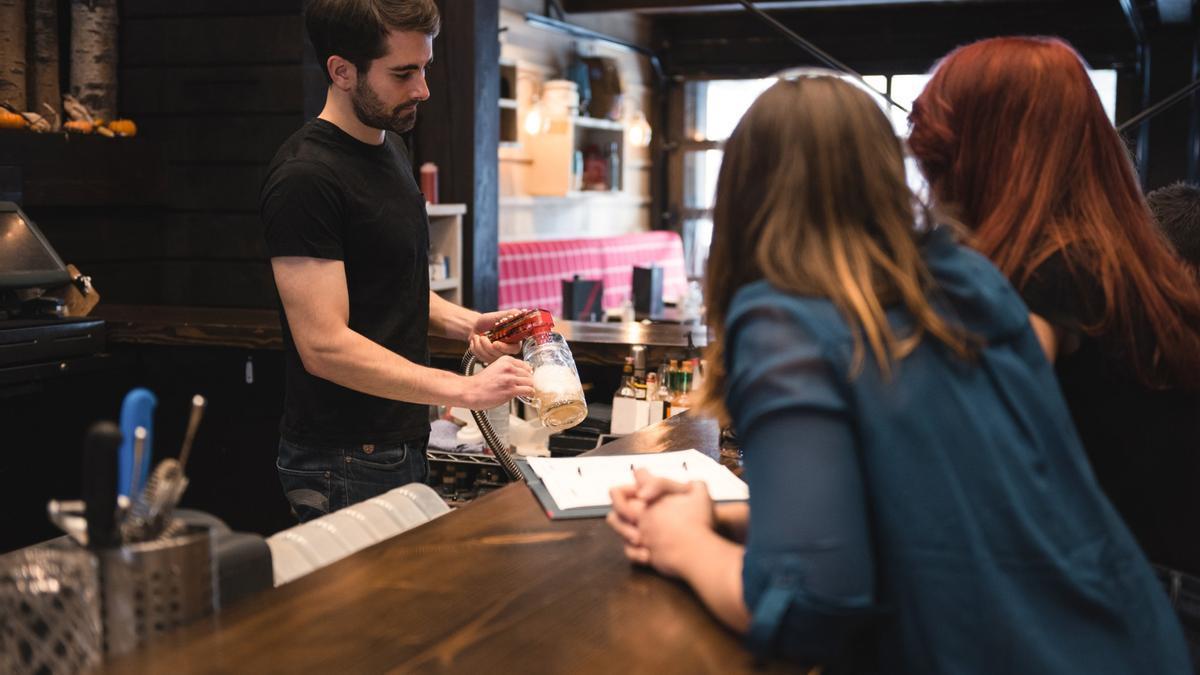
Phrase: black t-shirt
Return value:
(329, 195)
(1143, 443)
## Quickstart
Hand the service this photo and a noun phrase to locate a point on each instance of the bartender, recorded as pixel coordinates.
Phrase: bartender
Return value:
(348, 236)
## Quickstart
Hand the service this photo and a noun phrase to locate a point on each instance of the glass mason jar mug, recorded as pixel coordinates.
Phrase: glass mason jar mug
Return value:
(558, 395)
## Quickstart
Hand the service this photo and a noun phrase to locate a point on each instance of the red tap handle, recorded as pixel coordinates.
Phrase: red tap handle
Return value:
(516, 328)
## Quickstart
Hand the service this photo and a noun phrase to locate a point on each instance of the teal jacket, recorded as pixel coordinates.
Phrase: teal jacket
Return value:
(942, 520)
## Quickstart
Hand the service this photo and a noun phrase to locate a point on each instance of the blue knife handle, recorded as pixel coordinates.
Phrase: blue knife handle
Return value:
(137, 410)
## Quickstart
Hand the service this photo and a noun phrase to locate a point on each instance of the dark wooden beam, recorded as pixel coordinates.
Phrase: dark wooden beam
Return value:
(459, 130)
(665, 6)
(1168, 139)
(1133, 16)
(882, 39)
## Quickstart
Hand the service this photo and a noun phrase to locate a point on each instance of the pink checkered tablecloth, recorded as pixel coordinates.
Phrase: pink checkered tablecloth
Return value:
(531, 272)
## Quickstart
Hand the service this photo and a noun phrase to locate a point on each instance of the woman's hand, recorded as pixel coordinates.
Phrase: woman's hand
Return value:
(669, 526)
(629, 501)
(661, 521)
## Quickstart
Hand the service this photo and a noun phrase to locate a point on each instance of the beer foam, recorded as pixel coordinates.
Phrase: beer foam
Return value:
(554, 378)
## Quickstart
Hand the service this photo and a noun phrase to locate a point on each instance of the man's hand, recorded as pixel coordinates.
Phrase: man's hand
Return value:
(502, 381)
(485, 350)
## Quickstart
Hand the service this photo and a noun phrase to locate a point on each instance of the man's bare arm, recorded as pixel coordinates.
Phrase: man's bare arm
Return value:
(317, 305)
(449, 320)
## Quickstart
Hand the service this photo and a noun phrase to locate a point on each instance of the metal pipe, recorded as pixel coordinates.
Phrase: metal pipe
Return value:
(1159, 107)
(820, 54)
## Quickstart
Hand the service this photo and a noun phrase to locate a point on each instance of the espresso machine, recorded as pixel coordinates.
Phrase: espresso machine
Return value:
(558, 394)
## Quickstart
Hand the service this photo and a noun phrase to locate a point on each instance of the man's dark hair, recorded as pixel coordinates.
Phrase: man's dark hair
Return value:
(1177, 210)
(356, 30)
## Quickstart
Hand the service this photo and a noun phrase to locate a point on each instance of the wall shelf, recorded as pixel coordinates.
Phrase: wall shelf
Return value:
(595, 123)
(438, 210)
(598, 197)
(445, 239)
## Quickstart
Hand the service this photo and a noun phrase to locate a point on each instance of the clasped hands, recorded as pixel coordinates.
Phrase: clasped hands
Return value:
(660, 521)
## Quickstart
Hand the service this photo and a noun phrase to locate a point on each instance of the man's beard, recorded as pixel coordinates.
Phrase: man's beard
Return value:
(372, 112)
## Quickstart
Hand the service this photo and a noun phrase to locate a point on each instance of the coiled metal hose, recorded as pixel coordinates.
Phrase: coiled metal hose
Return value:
(499, 447)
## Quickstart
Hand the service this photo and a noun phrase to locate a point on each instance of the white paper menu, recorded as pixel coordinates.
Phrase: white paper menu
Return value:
(578, 482)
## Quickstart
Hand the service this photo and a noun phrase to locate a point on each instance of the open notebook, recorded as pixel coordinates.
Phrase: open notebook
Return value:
(577, 487)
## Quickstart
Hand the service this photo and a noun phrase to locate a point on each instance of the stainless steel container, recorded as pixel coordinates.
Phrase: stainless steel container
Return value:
(49, 609)
(153, 587)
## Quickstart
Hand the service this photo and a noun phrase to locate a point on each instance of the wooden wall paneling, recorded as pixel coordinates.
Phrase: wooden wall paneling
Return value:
(208, 235)
(82, 236)
(231, 138)
(131, 9)
(214, 90)
(218, 283)
(60, 170)
(218, 86)
(216, 40)
(214, 187)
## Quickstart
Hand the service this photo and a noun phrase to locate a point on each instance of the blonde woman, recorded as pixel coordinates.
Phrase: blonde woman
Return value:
(920, 502)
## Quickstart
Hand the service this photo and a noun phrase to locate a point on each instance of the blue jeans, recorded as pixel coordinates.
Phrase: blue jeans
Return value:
(318, 481)
(1184, 593)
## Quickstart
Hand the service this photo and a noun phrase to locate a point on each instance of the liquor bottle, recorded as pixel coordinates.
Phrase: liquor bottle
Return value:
(658, 406)
(627, 389)
(663, 394)
(614, 167)
(625, 417)
(638, 354)
(682, 398)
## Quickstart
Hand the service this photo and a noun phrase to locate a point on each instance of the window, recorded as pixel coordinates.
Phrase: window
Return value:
(714, 107)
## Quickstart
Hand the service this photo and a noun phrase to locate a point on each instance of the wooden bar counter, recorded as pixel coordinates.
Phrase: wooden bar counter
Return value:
(492, 587)
(591, 343)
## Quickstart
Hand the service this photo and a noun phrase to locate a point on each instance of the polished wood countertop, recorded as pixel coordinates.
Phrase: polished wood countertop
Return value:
(492, 587)
(595, 343)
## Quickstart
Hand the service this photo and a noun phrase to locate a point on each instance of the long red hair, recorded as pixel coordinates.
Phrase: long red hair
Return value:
(1014, 142)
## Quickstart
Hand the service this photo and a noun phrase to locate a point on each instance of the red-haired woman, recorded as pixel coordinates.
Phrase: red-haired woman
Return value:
(1014, 142)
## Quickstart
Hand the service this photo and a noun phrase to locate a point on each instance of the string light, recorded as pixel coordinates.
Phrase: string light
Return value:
(640, 131)
(535, 121)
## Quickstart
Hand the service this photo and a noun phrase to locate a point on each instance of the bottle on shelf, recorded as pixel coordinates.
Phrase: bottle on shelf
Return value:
(627, 389)
(577, 171)
(614, 167)
(681, 400)
(429, 182)
(663, 393)
(658, 406)
(638, 354)
(625, 404)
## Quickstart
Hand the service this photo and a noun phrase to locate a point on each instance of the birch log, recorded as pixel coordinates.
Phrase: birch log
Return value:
(94, 55)
(44, 87)
(12, 53)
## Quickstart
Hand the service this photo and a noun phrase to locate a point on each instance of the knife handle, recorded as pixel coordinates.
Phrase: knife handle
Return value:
(100, 482)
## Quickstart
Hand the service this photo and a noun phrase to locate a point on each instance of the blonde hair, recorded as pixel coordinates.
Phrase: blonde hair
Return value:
(812, 197)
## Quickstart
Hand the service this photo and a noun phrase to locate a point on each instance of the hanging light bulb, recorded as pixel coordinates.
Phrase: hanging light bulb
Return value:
(534, 119)
(640, 132)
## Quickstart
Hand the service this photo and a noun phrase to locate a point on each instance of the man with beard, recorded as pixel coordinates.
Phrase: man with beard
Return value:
(348, 236)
